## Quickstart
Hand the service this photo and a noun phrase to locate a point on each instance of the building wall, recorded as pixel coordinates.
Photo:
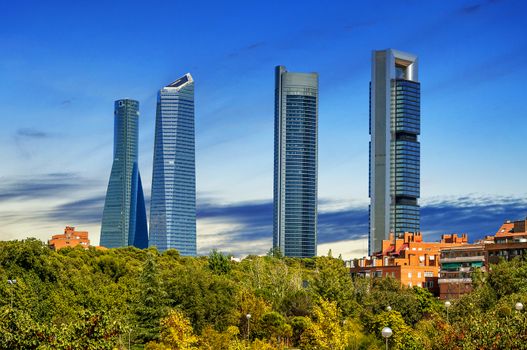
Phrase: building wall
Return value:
(296, 164)
(453, 290)
(173, 201)
(457, 266)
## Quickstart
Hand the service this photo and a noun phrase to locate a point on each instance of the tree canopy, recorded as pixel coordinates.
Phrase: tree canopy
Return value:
(95, 299)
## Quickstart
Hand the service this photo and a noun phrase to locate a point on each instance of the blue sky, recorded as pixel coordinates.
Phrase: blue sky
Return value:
(64, 63)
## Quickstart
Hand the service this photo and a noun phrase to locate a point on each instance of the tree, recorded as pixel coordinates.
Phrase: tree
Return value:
(151, 304)
(333, 282)
(219, 263)
(299, 325)
(275, 252)
(274, 327)
(325, 332)
(211, 339)
(404, 337)
(176, 333)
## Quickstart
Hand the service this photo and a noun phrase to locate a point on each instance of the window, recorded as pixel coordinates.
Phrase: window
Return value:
(419, 275)
(409, 275)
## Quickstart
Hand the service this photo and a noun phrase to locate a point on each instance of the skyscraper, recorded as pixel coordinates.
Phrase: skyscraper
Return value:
(173, 203)
(295, 163)
(124, 216)
(395, 122)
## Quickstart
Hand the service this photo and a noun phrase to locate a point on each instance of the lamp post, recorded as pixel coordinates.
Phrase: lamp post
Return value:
(518, 307)
(129, 336)
(386, 333)
(248, 316)
(11, 282)
(447, 305)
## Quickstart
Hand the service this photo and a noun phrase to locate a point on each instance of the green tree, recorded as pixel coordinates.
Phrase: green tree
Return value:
(275, 327)
(332, 282)
(151, 304)
(404, 337)
(299, 324)
(219, 263)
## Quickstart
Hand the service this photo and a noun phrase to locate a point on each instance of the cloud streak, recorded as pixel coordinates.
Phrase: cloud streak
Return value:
(245, 223)
(32, 133)
(38, 187)
(246, 227)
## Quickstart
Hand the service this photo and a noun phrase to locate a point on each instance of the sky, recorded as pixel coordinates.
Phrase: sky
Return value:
(63, 63)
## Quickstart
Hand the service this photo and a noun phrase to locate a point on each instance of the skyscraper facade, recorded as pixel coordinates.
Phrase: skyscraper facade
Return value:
(295, 163)
(173, 202)
(124, 217)
(395, 122)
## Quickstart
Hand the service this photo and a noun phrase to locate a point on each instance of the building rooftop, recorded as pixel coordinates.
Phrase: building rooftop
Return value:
(181, 82)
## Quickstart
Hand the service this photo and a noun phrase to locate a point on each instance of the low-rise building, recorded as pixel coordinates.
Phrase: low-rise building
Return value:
(459, 263)
(70, 238)
(408, 259)
(457, 266)
(509, 242)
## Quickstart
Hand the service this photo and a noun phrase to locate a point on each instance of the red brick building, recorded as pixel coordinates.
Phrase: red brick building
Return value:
(459, 263)
(70, 238)
(408, 259)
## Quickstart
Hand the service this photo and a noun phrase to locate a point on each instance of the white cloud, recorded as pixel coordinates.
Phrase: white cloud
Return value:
(349, 249)
(227, 237)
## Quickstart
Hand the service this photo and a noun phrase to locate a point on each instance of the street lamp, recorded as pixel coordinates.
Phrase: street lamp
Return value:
(11, 282)
(129, 336)
(388, 308)
(518, 307)
(386, 333)
(447, 305)
(248, 316)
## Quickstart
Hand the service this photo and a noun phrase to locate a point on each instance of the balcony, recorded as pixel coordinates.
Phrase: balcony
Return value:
(454, 280)
(463, 259)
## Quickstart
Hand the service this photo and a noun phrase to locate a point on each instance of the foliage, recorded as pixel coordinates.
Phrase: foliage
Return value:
(151, 302)
(219, 263)
(93, 299)
(275, 327)
(326, 331)
(176, 333)
(404, 337)
(332, 282)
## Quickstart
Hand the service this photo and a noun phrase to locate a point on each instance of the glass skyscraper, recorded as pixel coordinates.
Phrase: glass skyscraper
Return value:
(124, 217)
(395, 123)
(295, 163)
(173, 202)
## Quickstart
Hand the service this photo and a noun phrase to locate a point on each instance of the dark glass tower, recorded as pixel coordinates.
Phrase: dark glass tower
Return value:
(124, 216)
(173, 204)
(395, 122)
(295, 163)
